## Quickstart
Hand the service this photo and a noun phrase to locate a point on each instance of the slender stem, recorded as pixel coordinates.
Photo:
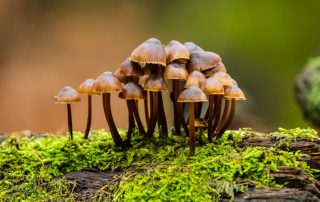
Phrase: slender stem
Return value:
(146, 110)
(229, 119)
(199, 105)
(137, 116)
(176, 117)
(131, 122)
(224, 114)
(217, 112)
(70, 120)
(86, 133)
(162, 116)
(153, 118)
(192, 139)
(210, 111)
(108, 114)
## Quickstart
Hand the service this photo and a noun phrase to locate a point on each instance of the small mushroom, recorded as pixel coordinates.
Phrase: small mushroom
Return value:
(176, 51)
(177, 72)
(214, 89)
(192, 95)
(232, 93)
(149, 52)
(192, 47)
(105, 84)
(86, 88)
(68, 96)
(203, 60)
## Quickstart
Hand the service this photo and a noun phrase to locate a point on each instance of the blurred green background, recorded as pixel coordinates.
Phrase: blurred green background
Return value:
(46, 44)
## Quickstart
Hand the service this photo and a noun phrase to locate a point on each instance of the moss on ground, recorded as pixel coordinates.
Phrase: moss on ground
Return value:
(153, 170)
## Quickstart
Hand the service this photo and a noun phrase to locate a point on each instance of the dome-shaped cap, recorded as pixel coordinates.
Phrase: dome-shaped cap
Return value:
(211, 86)
(218, 68)
(202, 60)
(129, 68)
(176, 51)
(192, 47)
(67, 96)
(151, 51)
(192, 94)
(195, 79)
(223, 78)
(86, 87)
(107, 83)
(176, 71)
(143, 79)
(200, 123)
(132, 91)
(155, 83)
(233, 92)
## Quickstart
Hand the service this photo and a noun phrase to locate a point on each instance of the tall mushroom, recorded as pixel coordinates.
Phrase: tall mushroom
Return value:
(212, 88)
(233, 93)
(192, 95)
(86, 88)
(105, 84)
(68, 96)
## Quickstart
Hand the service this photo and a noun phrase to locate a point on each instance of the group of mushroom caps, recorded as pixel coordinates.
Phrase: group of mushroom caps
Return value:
(196, 76)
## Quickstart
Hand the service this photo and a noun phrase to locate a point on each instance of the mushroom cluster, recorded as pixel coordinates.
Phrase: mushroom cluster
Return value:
(196, 76)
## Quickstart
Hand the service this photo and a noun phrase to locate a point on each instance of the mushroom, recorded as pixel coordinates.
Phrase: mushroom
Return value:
(192, 47)
(213, 88)
(132, 92)
(232, 93)
(192, 95)
(86, 88)
(150, 51)
(218, 68)
(203, 60)
(176, 51)
(105, 84)
(175, 72)
(68, 96)
(154, 85)
(199, 125)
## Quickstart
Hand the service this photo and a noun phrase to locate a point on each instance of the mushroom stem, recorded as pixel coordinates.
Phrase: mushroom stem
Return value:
(131, 123)
(70, 120)
(211, 111)
(153, 118)
(162, 116)
(137, 116)
(108, 114)
(217, 112)
(229, 119)
(192, 140)
(86, 133)
(224, 114)
(176, 117)
(146, 110)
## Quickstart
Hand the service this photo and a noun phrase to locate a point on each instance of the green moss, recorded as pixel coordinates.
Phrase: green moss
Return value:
(154, 169)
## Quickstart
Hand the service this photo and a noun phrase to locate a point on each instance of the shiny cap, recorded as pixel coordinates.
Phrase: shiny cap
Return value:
(211, 86)
(233, 92)
(202, 60)
(155, 83)
(223, 78)
(133, 91)
(67, 96)
(192, 94)
(176, 71)
(176, 51)
(107, 83)
(195, 79)
(86, 87)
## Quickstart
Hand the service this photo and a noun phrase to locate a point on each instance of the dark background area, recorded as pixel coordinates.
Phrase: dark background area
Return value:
(45, 45)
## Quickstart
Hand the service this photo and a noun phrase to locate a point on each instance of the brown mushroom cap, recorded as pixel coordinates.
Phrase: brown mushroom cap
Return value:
(107, 83)
(155, 83)
(142, 80)
(151, 51)
(195, 79)
(223, 78)
(218, 68)
(192, 47)
(200, 123)
(176, 71)
(192, 94)
(176, 51)
(132, 91)
(86, 87)
(211, 86)
(202, 60)
(67, 96)
(129, 68)
(233, 92)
